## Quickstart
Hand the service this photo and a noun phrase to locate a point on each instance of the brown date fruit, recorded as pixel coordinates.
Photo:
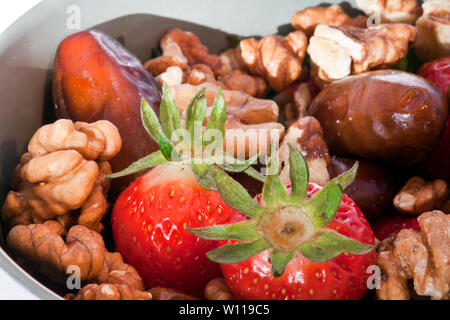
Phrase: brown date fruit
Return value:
(95, 77)
(373, 188)
(388, 115)
(253, 186)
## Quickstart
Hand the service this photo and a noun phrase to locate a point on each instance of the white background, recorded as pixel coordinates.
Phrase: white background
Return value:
(10, 11)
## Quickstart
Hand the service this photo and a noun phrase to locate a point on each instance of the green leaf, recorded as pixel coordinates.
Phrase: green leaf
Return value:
(333, 240)
(234, 253)
(203, 175)
(346, 178)
(274, 191)
(330, 244)
(218, 116)
(279, 261)
(242, 231)
(168, 113)
(167, 149)
(232, 164)
(316, 253)
(255, 174)
(150, 121)
(322, 206)
(152, 160)
(235, 195)
(299, 174)
(334, 198)
(195, 112)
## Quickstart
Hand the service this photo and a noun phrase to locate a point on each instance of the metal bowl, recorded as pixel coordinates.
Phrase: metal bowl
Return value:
(26, 53)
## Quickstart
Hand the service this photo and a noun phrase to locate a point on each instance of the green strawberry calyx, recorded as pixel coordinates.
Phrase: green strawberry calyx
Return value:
(288, 223)
(188, 145)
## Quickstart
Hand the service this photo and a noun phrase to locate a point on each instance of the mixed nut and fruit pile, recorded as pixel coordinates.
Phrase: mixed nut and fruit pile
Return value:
(350, 175)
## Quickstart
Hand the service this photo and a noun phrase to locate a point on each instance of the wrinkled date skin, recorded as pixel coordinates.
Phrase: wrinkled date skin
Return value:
(373, 188)
(387, 115)
(96, 78)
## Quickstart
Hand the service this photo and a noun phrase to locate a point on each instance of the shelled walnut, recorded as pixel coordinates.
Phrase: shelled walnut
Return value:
(391, 11)
(241, 81)
(232, 59)
(306, 135)
(186, 60)
(275, 58)
(161, 64)
(418, 196)
(61, 175)
(356, 50)
(217, 289)
(186, 44)
(421, 256)
(184, 50)
(171, 76)
(433, 30)
(251, 123)
(307, 20)
(294, 101)
(159, 293)
(106, 275)
(199, 73)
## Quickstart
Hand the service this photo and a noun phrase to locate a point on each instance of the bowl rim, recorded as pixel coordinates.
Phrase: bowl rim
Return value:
(23, 278)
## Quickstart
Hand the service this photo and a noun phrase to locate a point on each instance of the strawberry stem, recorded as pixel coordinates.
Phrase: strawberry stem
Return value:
(168, 131)
(168, 113)
(299, 174)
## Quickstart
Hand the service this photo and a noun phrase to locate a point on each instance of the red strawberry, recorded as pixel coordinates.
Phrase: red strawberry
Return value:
(149, 221)
(150, 216)
(437, 163)
(388, 226)
(296, 247)
(437, 72)
(343, 277)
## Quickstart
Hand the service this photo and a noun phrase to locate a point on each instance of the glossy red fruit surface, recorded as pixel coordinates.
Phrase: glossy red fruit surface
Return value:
(437, 72)
(437, 163)
(343, 277)
(149, 221)
(388, 226)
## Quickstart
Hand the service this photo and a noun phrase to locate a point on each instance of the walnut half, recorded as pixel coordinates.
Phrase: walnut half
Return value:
(217, 289)
(306, 135)
(421, 256)
(108, 277)
(61, 175)
(276, 59)
(418, 196)
(307, 20)
(337, 52)
(391, 11)
(433, 30)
